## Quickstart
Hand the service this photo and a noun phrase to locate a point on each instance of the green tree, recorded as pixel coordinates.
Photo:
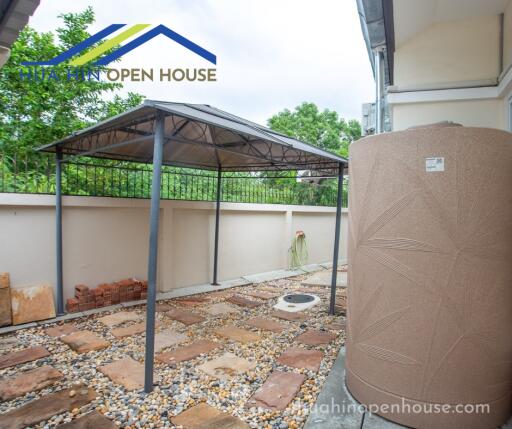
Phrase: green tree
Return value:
(33, 113)
(324, 129)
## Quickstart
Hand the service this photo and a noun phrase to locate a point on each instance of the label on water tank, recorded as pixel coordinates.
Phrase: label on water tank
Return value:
(434, 164)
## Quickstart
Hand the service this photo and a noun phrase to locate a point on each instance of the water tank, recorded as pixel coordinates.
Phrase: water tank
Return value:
(430, 276)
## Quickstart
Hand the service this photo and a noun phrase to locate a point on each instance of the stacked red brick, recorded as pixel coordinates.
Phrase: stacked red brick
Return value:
(106, 294)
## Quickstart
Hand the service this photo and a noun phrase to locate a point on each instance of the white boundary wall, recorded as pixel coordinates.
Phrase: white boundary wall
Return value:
(106, 239)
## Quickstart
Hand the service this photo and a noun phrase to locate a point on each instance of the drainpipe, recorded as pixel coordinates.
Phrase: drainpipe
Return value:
(379, 86)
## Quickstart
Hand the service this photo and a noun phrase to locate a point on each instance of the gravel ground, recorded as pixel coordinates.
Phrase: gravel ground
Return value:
(184, 386)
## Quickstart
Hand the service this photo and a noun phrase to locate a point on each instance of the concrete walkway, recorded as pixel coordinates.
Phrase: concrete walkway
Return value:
(336, 408)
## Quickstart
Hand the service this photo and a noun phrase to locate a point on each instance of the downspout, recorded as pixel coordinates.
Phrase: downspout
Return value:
(379, 86)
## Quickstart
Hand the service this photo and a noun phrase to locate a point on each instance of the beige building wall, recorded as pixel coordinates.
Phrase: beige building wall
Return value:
(454, 51)
(451, 72)
(489, 113)
(106, 239)
(507, 36)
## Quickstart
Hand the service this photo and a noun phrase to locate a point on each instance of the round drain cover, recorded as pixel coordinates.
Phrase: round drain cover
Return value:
(298, 298)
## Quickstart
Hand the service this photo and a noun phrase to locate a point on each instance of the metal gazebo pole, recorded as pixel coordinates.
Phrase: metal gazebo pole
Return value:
(153, 250)
(336, 240)
(58, 230)
(217, 219)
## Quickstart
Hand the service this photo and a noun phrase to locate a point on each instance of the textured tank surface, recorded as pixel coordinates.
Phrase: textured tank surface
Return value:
(430, 275)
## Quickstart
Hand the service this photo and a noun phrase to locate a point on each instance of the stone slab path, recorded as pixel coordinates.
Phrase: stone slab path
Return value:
(46, 407)
(192, 301)
(203, 416)
(315, 338)
(336, 326)
(266, 324)
(292, 317)
(297, 357)
(128, 331)
(23, 356)
(187, 352)
(243, 302)
(61, 330)
(119, 318)
(28, 381)
(238, 334)
(226, 366)
(219, 309)
(92, 420)
(127, 372)
(278, 391)
(168, 338)
(263, 294)
(184, 316)
(162, 308)
(84, 341)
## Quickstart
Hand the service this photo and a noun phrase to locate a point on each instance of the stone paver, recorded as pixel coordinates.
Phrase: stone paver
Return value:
(323, 278)
(192, 301)
(273, 289)
(61, 330)
(127, 372)
(263, 295)
(84, 341)
(32, 303)
(336, 326)
(203, 416)
(220, 308)
(120, 317)
(315, 338)
(301, 358)
(187, 352)
(292, 317)
(128, 331)
(162, 308)
(238, 334)
(226, 366)
(184, 316)
(46, 407)
(92, 420)
(266, 324)
(243, 301)
(28, 381)
(8, 343)
(277, 392)
(22, 356)
(168, 338)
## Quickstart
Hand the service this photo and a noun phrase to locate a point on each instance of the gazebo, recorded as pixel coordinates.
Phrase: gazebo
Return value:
(193, 136)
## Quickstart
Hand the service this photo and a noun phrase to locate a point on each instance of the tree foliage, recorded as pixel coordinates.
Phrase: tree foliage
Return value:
(33, 113)
(324, 129)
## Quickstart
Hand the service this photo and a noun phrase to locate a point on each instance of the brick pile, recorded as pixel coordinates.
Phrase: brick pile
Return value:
(106, 294)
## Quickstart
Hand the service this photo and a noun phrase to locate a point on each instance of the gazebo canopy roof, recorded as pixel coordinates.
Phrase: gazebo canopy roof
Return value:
(197, 136)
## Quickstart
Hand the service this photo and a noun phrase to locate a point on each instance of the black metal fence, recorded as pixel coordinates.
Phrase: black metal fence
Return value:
(35, 174)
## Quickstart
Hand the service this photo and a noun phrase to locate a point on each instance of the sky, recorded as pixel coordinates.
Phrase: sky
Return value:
(271, 54)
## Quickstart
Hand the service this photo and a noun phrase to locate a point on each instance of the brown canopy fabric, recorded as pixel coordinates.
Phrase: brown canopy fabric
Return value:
(197, 136)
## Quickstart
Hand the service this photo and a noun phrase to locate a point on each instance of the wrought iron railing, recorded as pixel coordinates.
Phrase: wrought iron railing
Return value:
(35, 174)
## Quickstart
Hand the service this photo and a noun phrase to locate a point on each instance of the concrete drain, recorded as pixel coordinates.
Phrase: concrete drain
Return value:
(296, 302)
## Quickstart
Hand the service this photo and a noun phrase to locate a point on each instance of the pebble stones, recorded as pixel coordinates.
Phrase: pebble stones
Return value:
(182, 385)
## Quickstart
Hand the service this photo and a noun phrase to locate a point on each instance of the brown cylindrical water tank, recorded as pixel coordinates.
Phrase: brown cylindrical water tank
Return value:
(430, 276)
